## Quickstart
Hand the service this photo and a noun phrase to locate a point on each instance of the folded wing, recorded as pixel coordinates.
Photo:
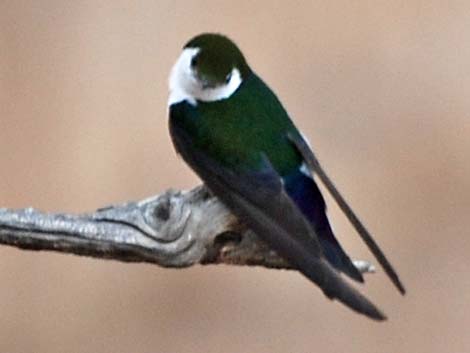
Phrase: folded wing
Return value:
(316, 168)
(259, 200)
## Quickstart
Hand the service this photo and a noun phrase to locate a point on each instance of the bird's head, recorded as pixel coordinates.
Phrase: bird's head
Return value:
(210, 68)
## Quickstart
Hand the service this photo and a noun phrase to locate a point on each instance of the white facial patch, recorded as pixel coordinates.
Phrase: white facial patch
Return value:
(185, 85)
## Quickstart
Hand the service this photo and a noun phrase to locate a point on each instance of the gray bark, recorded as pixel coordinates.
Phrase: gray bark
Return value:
(174, 229)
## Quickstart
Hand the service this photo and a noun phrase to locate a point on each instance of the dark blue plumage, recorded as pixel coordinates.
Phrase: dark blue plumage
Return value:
(308, 198)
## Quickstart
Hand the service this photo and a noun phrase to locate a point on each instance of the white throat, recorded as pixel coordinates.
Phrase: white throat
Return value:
(185, 86)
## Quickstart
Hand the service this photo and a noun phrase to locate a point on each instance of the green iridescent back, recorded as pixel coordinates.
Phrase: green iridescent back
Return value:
(236, 131)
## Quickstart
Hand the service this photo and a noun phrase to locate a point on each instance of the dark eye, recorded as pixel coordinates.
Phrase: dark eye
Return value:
(194, 61)
(228, 77)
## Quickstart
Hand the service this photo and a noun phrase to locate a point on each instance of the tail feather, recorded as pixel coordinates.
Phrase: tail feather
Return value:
(307, 196)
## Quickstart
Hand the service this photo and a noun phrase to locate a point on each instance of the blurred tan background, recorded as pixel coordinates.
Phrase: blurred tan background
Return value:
(382, 90)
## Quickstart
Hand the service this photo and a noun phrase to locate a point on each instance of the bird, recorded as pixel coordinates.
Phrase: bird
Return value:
(233, 131)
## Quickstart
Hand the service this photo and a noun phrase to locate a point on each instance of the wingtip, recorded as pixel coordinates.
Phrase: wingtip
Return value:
(396, 281)
(401, 289)
(315, 166)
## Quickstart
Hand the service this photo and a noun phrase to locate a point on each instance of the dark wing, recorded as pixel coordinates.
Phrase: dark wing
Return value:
(316, 168)
(261, 202)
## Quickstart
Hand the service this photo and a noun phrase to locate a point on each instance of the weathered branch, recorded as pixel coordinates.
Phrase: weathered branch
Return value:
(175, 229)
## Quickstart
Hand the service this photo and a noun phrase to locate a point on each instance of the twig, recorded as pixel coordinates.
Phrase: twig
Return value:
(174, 229)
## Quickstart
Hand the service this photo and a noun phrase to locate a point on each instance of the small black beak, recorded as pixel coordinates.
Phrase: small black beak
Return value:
(207, 84)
